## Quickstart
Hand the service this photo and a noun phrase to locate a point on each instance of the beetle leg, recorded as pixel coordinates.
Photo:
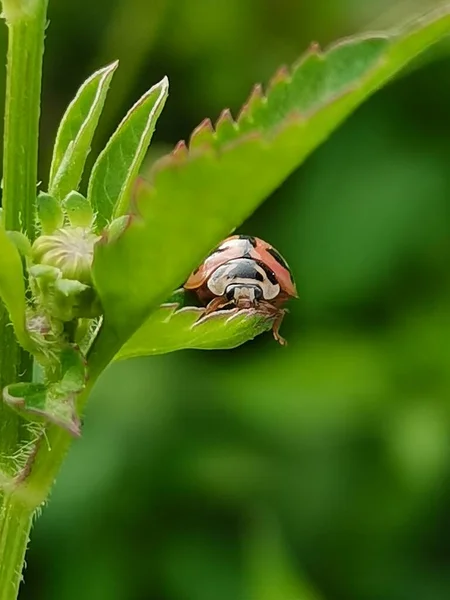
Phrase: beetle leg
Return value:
(216, 304)
(278, 313)
(276, 328)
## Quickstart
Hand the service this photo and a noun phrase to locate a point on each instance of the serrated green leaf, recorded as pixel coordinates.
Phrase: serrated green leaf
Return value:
(196, 197)
(172, 328)
(117, 166)
(52, 402)
(75, 133)
(12, 288)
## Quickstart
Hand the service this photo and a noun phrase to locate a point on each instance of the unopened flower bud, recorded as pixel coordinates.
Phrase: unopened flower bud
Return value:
(71, 250)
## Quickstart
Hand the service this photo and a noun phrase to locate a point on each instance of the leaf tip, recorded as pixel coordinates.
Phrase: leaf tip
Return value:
(226, 126)
(282, 75)
(225, 117)
(162, 85)
(103, 74)
(314, 48)
(255, 99)
(202, 135)
(180, 152)
(118, 226)
(112, 66)
(160, 90)
(74, 426)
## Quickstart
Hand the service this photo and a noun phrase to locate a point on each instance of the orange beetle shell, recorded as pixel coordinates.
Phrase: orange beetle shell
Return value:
(243, 246)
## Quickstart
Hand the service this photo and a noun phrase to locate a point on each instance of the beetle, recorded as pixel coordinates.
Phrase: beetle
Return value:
(245, 272)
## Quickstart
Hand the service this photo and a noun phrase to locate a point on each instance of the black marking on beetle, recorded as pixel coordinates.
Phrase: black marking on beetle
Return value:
(280, 260)
(270, 274)
(245, 270)
(219, 249)
(250, 238)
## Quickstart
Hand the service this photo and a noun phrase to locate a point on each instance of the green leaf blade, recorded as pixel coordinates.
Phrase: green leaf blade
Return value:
(75, 133)
(197, 196)
(12, 288)
(316, 80)
(117, 167)
(171, 328)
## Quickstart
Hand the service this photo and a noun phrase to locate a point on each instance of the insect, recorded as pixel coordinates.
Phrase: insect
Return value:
(245, 272)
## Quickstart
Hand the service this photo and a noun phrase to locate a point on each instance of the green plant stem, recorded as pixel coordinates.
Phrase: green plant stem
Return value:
(17, 509)
(15, 365)
(47, 460)
(15, 525)
(26, 21)
(50, 453)
(22, 109)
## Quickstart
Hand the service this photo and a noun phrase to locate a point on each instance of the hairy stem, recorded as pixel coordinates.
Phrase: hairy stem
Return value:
(15, 525)
(26, 21)
(22, 110)
(46, 462)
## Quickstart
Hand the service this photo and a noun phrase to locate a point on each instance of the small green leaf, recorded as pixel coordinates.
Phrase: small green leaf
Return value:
(75, 133)
(70, 287)
(117, 166)
(45, 272)
(49, 211)
(21, 242)
(78, 209)
(196, 197)
(36, 402)
(25, 395)
(54, 402)
(12, 288)
(172, 328)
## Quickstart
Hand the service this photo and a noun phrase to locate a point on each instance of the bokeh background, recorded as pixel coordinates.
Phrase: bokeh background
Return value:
(316, 472)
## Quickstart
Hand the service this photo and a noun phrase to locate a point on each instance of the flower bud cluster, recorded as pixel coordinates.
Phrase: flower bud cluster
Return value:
(61, 259)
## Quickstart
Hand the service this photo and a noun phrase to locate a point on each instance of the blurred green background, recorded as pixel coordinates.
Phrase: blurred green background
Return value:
(316, 472)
